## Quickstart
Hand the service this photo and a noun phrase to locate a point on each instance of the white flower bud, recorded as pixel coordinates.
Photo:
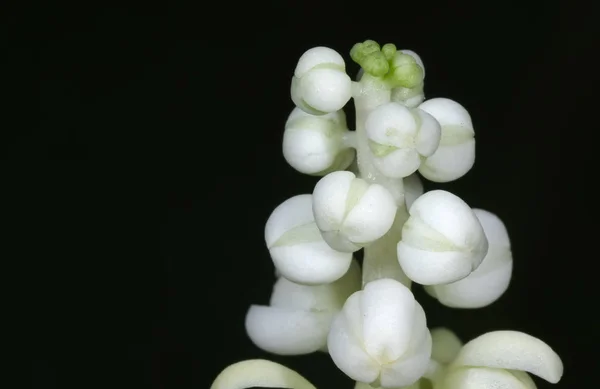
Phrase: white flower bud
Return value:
(446, 345)
(413, 188)
(478, 378)
(314, 144)
(442, 240)
(256, 373)
(399, 136)
(455, 155)
(299, 316)
(409, 97)
(417, 58)
(350, 212)
(510, 350)
(320, 84)
(297, 248)
(381, 335)
(491, 279)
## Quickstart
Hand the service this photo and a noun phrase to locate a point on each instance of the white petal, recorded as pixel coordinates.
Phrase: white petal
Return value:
(399, 163)
(448, 113)
(455, 155)
(483, 378)
(442, 241)
(412, 366)
(388, 313)
(446, 345)
(351, 213)
(429, 135)
(298, 98)
(259, 373)
(512, 350)
(287, 331)
(524, 378)
(434, 267)
(491, 279)
(329, 204)
(451, 216)
(449, 163)
(311, 143)
(328, 297)
(337, 117)
(326, 90)
(345, 343)
(391, 124)
(317, 56)
(482, 287)
(408, 370)
(371, 217)
(310, 263)
(494, 228)
(293, 212)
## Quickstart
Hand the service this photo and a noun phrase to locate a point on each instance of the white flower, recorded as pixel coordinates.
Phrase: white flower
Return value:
(314, 144)
(413, 189)
(445, 347)
(254, 373)
(442, 240)
(500, 359)
(350, 212)
(297, 248)
(298, 317)
(399, 137)
(491, 279)
(455, 155)
(381, 336)
(320, 84)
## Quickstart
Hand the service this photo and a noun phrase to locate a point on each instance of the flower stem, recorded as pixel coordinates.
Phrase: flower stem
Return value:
(380, 258)
(369, 94)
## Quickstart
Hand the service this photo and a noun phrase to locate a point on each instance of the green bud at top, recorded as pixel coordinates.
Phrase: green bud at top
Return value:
(371, 58)
(405, 71)
(389, 51)
(376, 64)
(361, 50)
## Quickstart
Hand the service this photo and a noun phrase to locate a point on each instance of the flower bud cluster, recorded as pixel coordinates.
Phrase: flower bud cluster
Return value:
(370, 197)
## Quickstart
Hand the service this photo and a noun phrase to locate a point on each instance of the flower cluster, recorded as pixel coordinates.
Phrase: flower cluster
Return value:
(370, 197)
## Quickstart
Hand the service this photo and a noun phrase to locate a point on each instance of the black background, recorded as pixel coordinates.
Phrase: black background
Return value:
(147, 158)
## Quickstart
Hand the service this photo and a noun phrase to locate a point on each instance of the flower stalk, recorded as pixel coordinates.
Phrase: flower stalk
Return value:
(370, 197)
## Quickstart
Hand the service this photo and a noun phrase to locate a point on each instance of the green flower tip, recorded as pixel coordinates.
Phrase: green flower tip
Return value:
(405, 72)
(389, 50)
(399, 70)
(374, 59)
